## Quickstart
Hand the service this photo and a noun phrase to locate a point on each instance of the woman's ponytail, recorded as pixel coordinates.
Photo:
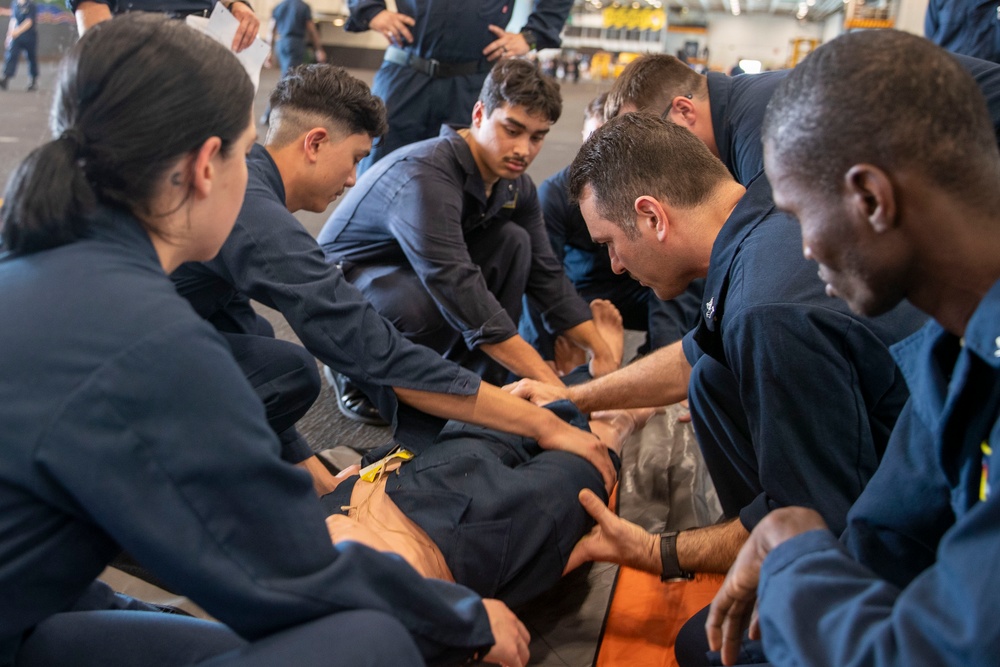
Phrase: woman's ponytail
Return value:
(48, 198)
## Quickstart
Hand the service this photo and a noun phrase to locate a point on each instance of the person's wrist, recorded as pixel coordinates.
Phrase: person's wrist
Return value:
(670, 566)
(530, 38)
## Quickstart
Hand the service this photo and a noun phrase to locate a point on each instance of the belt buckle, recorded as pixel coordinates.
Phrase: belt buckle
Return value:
(432, 67)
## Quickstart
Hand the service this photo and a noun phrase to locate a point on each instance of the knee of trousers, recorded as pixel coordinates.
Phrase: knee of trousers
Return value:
(302, 380)
(504, 257)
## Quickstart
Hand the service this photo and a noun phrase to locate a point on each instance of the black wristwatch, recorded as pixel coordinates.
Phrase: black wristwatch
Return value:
(531, 38)
(668, 558)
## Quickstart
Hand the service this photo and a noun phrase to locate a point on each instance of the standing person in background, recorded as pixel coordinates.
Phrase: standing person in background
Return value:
(293, 22)
(969, 27)
(439, 54)
(22, 35)
(91, 12)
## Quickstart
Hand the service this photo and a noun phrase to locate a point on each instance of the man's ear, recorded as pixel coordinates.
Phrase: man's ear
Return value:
(478, 114)
(202, 170)
(869, 192)
(683, 111)
(312, 140)
(650, 215)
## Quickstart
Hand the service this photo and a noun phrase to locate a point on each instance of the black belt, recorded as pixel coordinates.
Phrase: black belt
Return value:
(436, 69)
(205, 13)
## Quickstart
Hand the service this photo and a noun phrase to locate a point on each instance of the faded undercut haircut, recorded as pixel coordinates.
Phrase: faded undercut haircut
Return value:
(327, 96)
(889, 99)
(641, 154)
(517, 82)
(651, 82)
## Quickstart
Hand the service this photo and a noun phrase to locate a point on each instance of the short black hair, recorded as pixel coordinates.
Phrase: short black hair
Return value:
(651, 82)
(641, 154)
(886, 98)
(517, 82)
(320, 94)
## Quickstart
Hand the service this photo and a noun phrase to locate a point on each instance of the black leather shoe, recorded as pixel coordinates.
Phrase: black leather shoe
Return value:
(351, 401)
(3, 83)
(33, 86)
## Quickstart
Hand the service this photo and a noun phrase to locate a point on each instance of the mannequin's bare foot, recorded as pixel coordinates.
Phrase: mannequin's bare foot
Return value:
(608, 321)
(568, 355)
(613, 427)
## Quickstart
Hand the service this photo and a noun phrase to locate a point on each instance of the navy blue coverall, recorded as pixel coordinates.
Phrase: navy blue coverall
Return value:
(969, 27)
(447, 266)
(127, 425)
(738, 105)
(792, 395)
(911, 582)
(290, 20)
(454, 33)
(588, 267)
(26, 42)
(503, 511)
(271, 258)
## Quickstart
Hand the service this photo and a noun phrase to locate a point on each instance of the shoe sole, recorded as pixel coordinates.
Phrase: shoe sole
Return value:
(353, 416)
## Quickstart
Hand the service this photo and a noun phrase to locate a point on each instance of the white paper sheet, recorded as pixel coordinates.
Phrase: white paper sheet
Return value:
(221, 26)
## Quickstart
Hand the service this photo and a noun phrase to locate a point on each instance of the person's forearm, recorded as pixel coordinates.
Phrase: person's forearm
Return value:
(22, 28)
(711, 549)
(660, 378)
(89, 14)
(490, 407)
(517, 356)
(314, 36)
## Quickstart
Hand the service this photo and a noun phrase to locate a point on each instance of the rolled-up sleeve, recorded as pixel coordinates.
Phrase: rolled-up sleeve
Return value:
(361, 13)
(547, 20)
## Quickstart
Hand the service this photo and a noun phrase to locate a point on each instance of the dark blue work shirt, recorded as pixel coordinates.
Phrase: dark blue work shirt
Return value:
(25, 12)
(935, 501)
(458, 30)
(586, 263)
(817, 384)
(128, 424)
(180, 7)
(969, 27)
(271, 258)
(414, 208)
(291, 17)
(738, 105)
(987, 76)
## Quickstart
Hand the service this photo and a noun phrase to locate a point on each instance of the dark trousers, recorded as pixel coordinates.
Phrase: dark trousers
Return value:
(504, 512)
(418, 105)
(723, 434)
(286, 380)
(109, 638)
(26, 44)
(691, 647)
(503, 253)
(291, 53)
